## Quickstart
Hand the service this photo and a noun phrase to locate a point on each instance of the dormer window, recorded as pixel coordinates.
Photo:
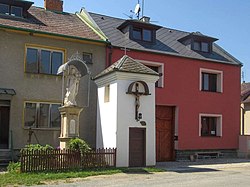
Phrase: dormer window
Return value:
(11, 10)
(4, 9)
(198, 42)
(16, 11)
(140, 30)
(142, 34)
(201, 46)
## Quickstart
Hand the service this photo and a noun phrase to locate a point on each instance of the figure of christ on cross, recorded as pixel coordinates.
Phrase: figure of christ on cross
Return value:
(137, 100)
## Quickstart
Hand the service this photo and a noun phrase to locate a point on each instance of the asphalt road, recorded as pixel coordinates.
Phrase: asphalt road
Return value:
(226, 174)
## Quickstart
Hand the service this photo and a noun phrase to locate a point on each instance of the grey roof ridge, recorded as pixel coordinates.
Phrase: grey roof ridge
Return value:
(122, 19)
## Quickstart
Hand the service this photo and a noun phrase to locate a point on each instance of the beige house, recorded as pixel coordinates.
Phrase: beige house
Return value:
(34, 42)
(244, 138)
(245, 109)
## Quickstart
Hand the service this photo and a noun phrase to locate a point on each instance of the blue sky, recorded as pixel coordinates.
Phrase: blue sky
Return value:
(227, 20)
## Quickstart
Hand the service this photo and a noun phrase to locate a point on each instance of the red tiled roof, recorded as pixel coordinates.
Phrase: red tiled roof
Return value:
(41, 20)
(245, 92)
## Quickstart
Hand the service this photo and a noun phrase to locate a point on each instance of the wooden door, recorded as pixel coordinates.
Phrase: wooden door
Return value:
(4, 127)
(164, 133)
(137, 147)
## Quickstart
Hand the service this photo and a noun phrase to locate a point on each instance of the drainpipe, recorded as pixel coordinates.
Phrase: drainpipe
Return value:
(109, 51)
(243, 121)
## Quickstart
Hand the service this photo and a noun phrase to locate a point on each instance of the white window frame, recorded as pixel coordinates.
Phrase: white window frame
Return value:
(218, 124)
(160, 70)
(219, 78)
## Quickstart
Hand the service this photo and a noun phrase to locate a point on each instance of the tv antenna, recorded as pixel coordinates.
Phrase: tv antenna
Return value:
(137, 10)
(243, 76)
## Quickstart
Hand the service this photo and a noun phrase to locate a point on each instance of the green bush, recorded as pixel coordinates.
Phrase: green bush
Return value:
(78, 144)
(14, 167)
(34, 147)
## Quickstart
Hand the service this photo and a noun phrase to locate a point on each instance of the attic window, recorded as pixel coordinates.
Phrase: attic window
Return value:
(142, 34)
(201, 46)
(11, 10)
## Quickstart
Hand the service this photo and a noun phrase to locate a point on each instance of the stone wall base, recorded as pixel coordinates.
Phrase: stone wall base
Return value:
(185, 154)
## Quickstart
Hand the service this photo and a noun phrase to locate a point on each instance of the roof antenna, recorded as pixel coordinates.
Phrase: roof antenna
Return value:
(142, 8)
(243, 76)
(137, 10)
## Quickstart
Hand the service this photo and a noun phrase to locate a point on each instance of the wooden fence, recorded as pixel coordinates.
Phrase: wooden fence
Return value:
(59, 160)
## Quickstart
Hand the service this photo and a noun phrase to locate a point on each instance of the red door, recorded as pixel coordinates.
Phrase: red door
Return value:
(137, 147)
(164, 133)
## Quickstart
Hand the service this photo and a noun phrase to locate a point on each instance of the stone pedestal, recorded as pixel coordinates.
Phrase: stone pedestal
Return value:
(69, 124)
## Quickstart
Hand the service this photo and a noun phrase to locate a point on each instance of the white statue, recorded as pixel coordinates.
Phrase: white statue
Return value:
(73, 77)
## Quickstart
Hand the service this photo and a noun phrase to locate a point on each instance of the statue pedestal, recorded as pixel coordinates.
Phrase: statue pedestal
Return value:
(69, 124)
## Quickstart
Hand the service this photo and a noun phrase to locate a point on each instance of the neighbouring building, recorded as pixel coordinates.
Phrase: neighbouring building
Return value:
(198, 93)
(34, 42)
(244, 138)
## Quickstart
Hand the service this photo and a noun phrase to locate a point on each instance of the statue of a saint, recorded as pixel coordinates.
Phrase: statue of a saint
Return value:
(73, 77)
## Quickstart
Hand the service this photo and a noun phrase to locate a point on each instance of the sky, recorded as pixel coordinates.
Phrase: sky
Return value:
(226, 20)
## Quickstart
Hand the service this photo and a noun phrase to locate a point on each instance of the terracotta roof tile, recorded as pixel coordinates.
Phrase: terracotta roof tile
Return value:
(51, 22)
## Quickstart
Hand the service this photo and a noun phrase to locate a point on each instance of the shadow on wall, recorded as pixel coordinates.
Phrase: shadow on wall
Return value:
(99, 134)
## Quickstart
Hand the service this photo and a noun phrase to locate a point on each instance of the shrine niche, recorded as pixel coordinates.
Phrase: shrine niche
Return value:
(138, 88)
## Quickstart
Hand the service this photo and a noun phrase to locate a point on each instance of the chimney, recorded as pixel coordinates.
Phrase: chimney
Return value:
(145, 19)
(54, 5)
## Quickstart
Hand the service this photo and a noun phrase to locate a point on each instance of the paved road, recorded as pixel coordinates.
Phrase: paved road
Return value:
(177, 174)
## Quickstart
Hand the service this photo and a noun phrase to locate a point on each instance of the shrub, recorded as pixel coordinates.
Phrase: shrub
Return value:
(14, 167)
(33, 147)
(79, 145)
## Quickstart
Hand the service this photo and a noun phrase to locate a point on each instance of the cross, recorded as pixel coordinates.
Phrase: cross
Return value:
(137, 100)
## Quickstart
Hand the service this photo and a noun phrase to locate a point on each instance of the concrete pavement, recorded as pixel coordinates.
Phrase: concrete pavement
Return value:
(212, 172)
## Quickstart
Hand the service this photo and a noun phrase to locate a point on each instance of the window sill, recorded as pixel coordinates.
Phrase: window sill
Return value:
(207, 91)
(42, 129)
(42, 74)
(210, 136)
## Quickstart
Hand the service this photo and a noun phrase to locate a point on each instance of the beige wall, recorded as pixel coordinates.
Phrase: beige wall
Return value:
(35, 87)
(246, 117)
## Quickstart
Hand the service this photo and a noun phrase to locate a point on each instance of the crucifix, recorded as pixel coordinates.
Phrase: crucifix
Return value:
(137, 100)
(137, 95)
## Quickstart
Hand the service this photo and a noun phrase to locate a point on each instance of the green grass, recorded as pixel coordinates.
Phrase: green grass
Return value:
(28, 179)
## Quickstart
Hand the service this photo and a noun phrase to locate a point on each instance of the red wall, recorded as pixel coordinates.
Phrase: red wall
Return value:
(181, 89)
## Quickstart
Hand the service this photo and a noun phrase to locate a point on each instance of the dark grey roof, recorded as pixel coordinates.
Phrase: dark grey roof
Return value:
(129, 65)
(167, 41)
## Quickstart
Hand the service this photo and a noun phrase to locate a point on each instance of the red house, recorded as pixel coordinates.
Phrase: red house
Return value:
(198, 94)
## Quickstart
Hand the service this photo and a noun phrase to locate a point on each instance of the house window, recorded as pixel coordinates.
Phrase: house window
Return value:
(107, 94)
(87, 58)
(204, 47)
(142, 34)
(157, 67)
(16, 11)
(42, 115)
(4, 9)
(11, 10)
(201, 46)
(210, 125)
(43, 61)
(211, 80)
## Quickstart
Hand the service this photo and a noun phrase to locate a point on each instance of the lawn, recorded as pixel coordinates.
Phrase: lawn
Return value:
(14, 178)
